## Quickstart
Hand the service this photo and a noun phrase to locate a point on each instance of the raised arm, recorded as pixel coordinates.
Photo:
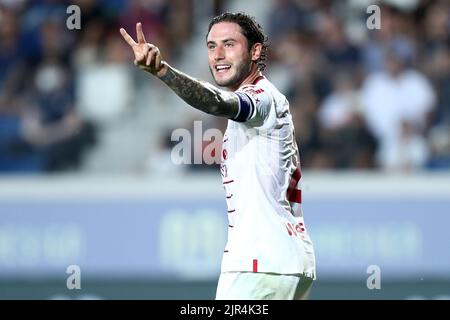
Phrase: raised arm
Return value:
(199, 94)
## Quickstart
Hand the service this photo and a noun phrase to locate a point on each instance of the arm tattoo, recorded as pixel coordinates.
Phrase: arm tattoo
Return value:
(201, 95)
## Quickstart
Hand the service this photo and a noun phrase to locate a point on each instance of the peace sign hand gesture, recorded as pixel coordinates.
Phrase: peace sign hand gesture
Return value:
(146, 56)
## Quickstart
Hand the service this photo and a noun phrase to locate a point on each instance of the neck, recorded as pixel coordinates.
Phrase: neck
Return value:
(254, 73)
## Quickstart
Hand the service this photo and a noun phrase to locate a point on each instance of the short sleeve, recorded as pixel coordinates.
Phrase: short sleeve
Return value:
(254, 105)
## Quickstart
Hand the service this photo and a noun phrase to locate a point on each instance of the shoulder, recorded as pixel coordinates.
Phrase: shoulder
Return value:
(259, 92)
(256, 84)
(255, 101)
(260, 88)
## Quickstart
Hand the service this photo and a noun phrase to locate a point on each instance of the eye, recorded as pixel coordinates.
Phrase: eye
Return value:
(228, 45)
(211, 47)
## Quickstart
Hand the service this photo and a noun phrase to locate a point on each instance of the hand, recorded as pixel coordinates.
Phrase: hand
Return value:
(147, 56)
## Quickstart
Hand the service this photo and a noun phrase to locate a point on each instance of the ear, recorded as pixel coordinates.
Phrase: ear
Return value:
(256, 51)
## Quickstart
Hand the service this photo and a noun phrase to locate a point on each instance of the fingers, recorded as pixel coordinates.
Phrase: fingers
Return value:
(158, 59)
(141, 56)
(147, 48)
(139, 33)
(151, 58)
(127, 37)
(154, 61)
(147, 56)
(151, 55)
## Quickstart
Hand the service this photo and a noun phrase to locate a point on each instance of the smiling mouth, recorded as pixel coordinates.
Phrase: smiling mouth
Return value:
(222, 68)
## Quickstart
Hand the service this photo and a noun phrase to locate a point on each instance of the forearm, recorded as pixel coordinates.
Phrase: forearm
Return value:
(201, 95)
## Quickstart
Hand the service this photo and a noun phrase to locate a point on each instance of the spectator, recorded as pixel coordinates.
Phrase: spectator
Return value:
(343, 128)
(396, 95)
(336, 47)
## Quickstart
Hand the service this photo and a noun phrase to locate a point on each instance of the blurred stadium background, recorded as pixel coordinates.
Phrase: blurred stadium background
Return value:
(85, 144)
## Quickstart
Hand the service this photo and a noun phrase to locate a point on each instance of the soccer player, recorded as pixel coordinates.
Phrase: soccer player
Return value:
(269, 254)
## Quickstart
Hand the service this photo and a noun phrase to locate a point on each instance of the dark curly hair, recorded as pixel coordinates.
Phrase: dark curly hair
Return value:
(251, 29)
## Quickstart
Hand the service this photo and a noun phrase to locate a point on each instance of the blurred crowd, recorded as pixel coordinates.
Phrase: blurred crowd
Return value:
(365, 98)
(360, 98)
(43, 55)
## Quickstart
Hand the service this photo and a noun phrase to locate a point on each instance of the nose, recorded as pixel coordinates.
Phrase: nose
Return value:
(219, 53)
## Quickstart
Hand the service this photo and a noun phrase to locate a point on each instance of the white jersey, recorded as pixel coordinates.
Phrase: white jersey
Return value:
(261, 175)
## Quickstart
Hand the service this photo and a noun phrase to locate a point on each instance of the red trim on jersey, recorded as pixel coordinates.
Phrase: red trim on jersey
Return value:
(297, 174)
(293, 194)
(255, 265)
(257, 80)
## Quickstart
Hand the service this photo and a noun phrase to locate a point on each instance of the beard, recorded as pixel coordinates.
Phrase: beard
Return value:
(242, 71)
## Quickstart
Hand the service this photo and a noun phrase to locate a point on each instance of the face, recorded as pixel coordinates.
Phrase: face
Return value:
(228, 55)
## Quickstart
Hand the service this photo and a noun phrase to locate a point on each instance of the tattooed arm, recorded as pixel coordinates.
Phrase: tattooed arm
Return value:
(199, 94)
